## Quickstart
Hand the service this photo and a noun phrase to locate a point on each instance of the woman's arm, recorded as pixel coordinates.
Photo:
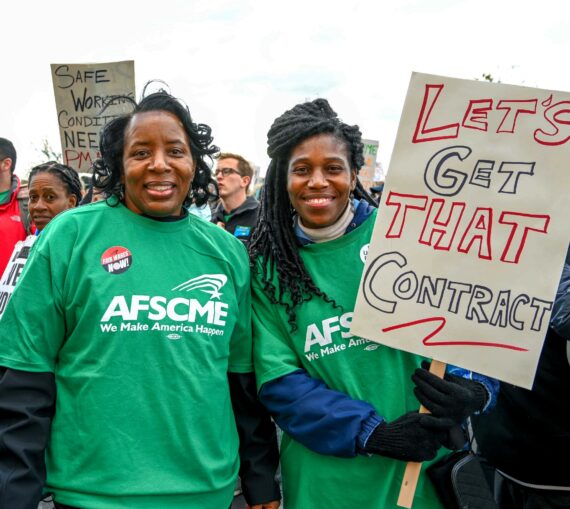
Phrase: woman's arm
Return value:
(324, 420)
(258, 441)
(331, 422)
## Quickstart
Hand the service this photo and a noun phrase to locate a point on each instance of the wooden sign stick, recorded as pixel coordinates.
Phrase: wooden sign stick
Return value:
(412, 472)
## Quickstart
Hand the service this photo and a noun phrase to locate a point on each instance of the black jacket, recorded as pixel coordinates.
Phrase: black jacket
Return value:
(242, 220)
(527, 434)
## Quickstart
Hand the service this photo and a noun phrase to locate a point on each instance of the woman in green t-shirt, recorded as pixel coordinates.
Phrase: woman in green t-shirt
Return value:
(125, 350)
(346, 405)
(52, 188)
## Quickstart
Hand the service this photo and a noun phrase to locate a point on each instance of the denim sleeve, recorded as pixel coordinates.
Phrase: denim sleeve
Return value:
(323, 420)
(560, 319)
(491, 385)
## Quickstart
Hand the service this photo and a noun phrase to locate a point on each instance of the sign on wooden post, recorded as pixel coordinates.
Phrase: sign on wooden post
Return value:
(470, 239)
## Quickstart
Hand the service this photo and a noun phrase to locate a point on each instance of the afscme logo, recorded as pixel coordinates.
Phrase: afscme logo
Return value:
(178, 309)
(208, 283)
(158, 308)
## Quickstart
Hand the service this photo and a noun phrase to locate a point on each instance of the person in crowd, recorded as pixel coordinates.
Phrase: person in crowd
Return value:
(52, 188)
(204, 211)
(237, 212)
(527, 431)
(14, 223)
(92, 195)
(346, 405)
(376, 192)
(128, 338)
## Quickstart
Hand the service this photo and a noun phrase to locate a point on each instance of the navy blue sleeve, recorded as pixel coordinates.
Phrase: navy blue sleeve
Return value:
(323, 420)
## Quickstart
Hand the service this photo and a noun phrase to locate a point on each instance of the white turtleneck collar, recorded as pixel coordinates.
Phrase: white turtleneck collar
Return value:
(334, 231)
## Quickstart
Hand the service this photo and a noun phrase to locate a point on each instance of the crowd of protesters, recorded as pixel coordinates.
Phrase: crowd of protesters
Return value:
(154, 331)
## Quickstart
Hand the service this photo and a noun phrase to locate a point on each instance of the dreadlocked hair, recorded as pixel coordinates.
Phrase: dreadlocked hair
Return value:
(68, 176)
(274, 248)
(108, 169)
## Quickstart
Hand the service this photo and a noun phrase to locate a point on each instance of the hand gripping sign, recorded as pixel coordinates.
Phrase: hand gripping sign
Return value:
(472, 229)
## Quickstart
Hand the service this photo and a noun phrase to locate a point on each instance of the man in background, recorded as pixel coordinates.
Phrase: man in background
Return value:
(237, 213)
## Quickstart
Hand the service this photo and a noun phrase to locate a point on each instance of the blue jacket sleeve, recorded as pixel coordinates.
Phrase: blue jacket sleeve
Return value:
(560, 319)
(323, 420)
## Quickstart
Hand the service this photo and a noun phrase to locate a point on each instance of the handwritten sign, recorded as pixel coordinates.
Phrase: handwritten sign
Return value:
(473, 227)
(14, 269)
(87, 96)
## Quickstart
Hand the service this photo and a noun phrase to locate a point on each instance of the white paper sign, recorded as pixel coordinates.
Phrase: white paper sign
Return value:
(14, 269)
(473, 227)
(88, 96)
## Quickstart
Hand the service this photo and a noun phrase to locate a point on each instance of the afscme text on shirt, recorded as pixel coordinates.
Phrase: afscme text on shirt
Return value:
(157, 308)
(319, 337)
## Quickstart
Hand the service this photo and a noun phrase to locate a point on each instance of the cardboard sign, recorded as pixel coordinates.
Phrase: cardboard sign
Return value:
(473, 227)
(87, 96)
(14, 269)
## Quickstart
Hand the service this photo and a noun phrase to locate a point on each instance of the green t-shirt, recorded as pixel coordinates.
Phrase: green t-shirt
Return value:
(324, 347)
(140, 321)
(4, 196)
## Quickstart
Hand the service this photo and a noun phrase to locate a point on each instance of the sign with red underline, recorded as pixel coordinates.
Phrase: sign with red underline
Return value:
(472, 231)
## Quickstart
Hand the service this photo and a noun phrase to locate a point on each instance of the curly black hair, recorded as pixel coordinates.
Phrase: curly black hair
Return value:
(274, 247)
(108, 169)
(68, 176)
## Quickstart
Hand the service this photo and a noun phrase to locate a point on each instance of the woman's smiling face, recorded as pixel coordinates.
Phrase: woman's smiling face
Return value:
(320, 180)
(157, 163)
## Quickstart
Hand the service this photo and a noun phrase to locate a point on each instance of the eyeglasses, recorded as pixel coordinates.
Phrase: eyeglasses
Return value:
(226, 172)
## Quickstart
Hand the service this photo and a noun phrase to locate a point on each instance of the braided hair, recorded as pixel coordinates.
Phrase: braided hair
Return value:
(68, 176)
(108, 169)
(274, 247)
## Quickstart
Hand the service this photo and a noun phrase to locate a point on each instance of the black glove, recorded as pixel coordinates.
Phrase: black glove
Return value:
(452, 398)
(411, 437)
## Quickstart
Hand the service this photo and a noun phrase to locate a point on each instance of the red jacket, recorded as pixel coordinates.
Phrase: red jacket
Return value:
(11, 227)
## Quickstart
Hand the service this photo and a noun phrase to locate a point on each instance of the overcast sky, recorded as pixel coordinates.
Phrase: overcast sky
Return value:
(239, 64)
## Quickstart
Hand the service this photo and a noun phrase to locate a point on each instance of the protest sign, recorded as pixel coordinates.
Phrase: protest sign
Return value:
(87, 96)
(473, 227)
(367, 172)
(14, 269)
